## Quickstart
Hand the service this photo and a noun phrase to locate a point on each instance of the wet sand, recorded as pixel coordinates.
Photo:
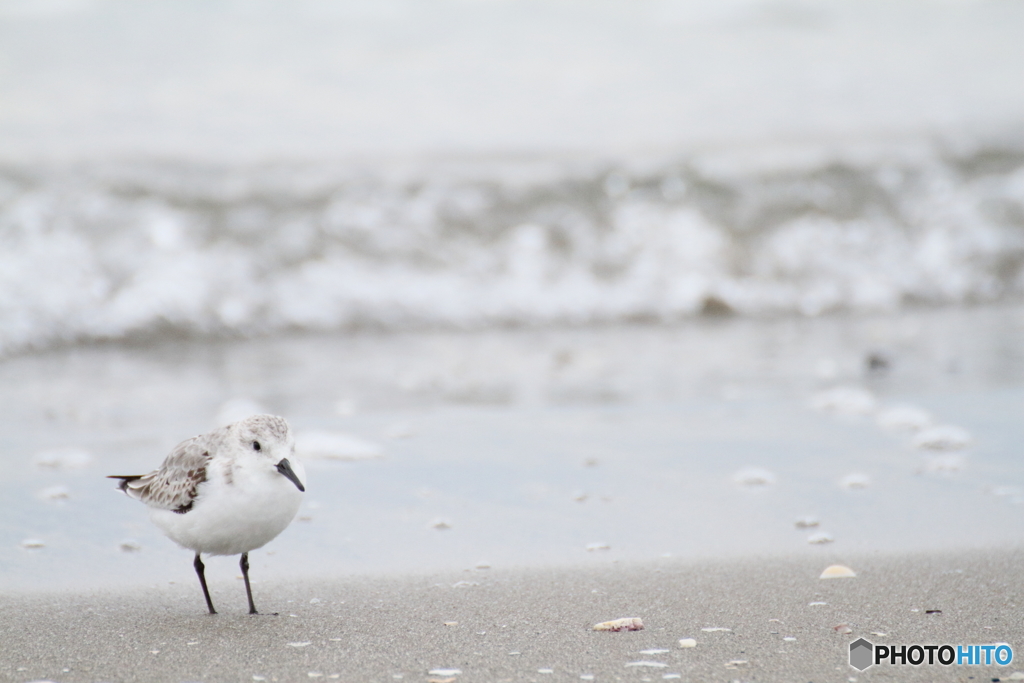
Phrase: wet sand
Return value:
(534, 625)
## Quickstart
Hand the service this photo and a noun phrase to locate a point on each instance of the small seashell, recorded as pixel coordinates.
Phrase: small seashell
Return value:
(687, 643)
(671, 677)
(855, 481)
(817, 604)
(820, 538)
(129, 545)
(1016, 676)
(806, 522)
(652, 665)
(943, 438)
(545, 671)
(754, 476)
(713, 629)
(904, 418)
(62, 458)
(737, 664)
(451, 623)
(880, 634)
(656, 651)
(789, 639)
(483, 565)
(302, 644)
(837, 571)
(844, 401)
(33, 543)
(843, 629)
(314, 674)
(591, 547)
(586, 677)
(444, 672)
(335, 446)
(625, 624)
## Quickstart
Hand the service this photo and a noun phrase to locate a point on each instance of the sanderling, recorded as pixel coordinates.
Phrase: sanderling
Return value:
(224, 493)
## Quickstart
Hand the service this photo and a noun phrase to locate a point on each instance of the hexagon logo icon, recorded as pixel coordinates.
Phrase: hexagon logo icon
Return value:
(861, 654)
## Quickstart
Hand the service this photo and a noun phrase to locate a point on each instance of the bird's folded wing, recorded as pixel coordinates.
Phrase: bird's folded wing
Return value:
(174, 485)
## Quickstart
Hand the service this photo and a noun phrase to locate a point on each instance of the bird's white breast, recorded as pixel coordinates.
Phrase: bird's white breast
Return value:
(237, 509)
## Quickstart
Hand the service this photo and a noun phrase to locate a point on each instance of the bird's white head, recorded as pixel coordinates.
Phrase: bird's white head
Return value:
(267, 442)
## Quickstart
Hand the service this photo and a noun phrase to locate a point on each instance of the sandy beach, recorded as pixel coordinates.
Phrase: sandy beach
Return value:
(752, 620)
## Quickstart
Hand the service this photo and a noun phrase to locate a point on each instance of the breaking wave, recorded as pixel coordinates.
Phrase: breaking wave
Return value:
(110, 251)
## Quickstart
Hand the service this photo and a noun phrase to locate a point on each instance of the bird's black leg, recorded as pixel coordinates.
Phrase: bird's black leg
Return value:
(244, 564)
(200, 570)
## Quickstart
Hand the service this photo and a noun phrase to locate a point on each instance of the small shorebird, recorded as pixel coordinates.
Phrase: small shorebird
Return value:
(224, 493)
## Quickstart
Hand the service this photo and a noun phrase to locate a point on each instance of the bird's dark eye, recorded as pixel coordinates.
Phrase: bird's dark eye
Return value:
(256, 446)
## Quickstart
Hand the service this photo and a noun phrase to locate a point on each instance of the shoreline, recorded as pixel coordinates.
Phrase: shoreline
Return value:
(400, 628)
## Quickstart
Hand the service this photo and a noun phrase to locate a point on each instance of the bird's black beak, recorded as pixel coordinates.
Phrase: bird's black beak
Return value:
(285, 468)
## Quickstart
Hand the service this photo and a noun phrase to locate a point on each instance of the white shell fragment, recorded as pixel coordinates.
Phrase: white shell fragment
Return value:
(806, 522)
(844, 401)
(625, 624)
(754, 476)
(820, 538)
(837, 571)
(687, 643)
(33, 543)
(305, 643)
(62, 458)
(713, 629)
(904, 418)
(335, 446)
(655, 651)
(855, 481)
(943, 438)
(737, 663)
(444, 672)
(652, 665)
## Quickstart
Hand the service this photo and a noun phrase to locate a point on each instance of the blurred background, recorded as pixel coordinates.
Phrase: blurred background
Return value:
(511, 269)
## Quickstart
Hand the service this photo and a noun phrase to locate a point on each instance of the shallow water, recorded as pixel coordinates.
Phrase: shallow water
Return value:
(533, 444)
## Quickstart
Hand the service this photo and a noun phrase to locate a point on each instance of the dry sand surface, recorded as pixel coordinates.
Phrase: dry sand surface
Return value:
(503, 625)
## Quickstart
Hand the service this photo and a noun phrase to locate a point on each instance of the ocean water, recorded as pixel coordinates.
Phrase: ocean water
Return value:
(577, 273)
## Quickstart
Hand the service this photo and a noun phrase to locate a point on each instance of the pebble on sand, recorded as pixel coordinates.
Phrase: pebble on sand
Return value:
(820, 538)
(687, 643)
(943, 438)
(624, 624)
(58, 492)
(130, 545)
(855, 481)
(837, 571)
(33, 543)
(62, 458)
(806, 522)
(754, 476)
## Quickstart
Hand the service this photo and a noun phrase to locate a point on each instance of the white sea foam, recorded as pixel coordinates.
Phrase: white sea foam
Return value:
(117, 251)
